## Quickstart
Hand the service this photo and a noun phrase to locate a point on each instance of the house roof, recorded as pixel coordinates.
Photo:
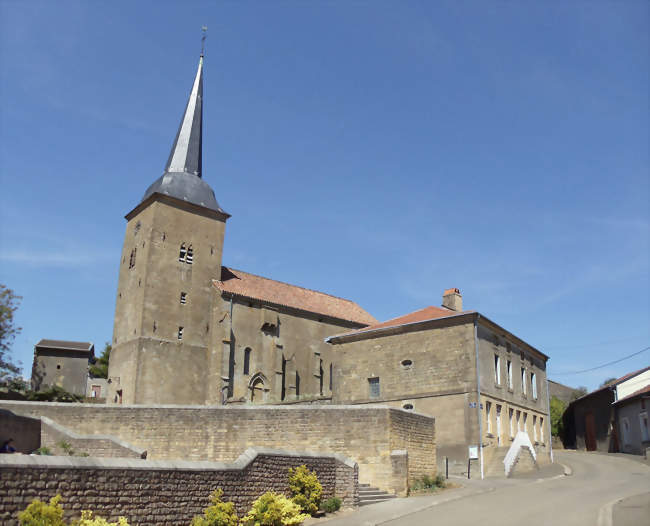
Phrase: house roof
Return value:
(614, 383)
(642, 391)
(65, 345)
(247, 285)
(422, 315)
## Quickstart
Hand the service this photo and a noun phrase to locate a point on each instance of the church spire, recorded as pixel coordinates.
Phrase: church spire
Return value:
(185, 156)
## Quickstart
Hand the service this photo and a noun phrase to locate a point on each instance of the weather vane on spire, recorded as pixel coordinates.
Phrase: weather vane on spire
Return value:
(204, 30)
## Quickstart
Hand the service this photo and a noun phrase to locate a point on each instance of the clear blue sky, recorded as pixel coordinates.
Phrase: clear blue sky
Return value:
(379, 151)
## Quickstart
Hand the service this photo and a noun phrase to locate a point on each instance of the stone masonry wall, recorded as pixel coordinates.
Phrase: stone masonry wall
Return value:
(363, 433)
(161, 493)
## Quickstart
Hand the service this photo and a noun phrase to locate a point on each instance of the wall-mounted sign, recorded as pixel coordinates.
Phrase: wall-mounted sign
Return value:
(472, 405)
(473, 452)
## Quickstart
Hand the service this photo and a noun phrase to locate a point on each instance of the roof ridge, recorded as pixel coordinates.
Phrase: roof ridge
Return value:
(290, 285)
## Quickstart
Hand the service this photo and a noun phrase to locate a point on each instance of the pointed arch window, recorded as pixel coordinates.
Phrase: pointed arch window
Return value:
(182, 253)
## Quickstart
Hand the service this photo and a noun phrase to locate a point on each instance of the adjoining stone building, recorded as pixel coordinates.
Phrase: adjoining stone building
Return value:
(62, 363)
(481, 382)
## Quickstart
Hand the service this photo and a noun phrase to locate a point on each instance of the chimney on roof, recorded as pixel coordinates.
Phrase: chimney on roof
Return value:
(452, 299)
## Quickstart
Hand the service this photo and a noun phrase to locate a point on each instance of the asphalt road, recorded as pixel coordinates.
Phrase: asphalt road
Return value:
(585, 498)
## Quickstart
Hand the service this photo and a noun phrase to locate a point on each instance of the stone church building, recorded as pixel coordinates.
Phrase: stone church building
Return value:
(189, 330)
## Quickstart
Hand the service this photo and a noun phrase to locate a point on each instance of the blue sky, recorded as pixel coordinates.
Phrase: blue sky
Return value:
(379, 151)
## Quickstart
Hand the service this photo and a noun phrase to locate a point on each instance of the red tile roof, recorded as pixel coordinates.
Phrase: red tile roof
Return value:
(426, 314)
(641, 391)
(263, 289)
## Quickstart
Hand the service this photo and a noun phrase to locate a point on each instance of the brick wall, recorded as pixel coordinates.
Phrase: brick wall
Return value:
(155, 493)
(363, 433)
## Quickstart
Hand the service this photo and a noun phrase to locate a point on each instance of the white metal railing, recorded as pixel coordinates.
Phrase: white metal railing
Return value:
(521, 440)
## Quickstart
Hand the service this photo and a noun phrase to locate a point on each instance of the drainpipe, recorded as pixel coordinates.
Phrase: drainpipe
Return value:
(478, 395)
(548, 419)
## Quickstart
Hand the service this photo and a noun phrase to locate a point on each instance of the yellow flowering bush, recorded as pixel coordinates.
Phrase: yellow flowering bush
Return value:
(219, 514)
(41, 514)
(305, 488)
(87, 519)
(273, 509)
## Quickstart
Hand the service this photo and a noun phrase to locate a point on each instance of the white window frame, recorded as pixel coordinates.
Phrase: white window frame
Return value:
(518, 417)
(511, 418)
(533, 385)
(509, 367)
(541, 429)
(488, 408)
(497, 369)
(523, 381)
(535, 428)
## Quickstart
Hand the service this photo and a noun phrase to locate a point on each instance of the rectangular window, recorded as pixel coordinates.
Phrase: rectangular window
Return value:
(541, 429)
(523, 381)
(373, 385)
(330, 376)
(183, 298)
(643, 423)
(533, 385)
(247, 360)
(511, 421)
(488, 416)
(518, 421)
(180, 333)
(497, 369)
(535, 428)
(509, 367)
(525, 430)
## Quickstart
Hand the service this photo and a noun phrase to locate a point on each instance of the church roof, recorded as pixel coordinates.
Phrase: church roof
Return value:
(255, 287)
(182, 178)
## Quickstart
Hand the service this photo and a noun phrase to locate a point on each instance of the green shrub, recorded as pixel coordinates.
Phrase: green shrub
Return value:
(272, 509)
(40, 514)
(218, 514)
(428, 482)
(87, 519)
(305, 488)
(43, 450)
(66, 447)
(332, 504)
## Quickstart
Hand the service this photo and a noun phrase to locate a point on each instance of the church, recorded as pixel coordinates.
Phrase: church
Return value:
(189, 330)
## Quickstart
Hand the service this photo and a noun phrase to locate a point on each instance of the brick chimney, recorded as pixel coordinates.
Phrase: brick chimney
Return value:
(452, 299)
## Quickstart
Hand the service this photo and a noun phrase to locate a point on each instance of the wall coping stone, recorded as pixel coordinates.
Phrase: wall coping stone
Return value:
(399, 453)
(77, 436)
(242, 462)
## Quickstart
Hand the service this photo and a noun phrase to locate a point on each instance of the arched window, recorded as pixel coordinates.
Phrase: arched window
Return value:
(182, 254)
(257, 387)
(247, 360)
(190, 255)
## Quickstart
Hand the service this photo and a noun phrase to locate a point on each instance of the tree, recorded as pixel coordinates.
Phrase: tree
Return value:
(557, 410)
(100, 368)
(608, 381)
(8, 331)
(578, 392)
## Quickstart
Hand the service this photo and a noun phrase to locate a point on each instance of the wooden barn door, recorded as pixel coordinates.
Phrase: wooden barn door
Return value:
(590, 432)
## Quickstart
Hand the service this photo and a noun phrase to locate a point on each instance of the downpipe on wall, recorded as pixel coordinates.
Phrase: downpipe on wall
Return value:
(478, 395)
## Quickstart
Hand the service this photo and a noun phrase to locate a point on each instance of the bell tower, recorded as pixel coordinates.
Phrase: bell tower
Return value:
(172, 251)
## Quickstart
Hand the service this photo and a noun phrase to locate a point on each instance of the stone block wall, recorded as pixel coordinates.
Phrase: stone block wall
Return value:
(367, 433)
(161, 493)
(53, 435)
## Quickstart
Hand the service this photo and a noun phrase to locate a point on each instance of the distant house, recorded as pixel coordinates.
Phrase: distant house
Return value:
(593, 422)
(96, 387)
(62, 363)
(632, 421)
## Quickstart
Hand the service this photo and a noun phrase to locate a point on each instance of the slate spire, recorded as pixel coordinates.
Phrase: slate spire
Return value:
(185, 155)
(182, 178)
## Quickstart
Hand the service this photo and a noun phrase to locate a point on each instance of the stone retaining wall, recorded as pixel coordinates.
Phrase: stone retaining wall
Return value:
(159, 492)
(365, 433)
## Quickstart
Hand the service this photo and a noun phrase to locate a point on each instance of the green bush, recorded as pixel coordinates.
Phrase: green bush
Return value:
(428, 482)
(332, 504)
(272, 509)
(40, 514)
(43, 450)
(218, 514)
(305, 488)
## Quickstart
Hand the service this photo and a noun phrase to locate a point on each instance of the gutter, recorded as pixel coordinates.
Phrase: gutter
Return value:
(478, 395)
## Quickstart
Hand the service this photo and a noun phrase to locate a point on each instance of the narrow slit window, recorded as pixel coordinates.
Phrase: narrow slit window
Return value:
(247, 360)
(180, 333)
(535, 428)
(183, 298)
(509, 371)
(182, 254)
(190, 255)
(533, 385)
(132, 258)
(330, 376)
(488, 416)
(523, 381)
(497, 369)
(541, 429)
